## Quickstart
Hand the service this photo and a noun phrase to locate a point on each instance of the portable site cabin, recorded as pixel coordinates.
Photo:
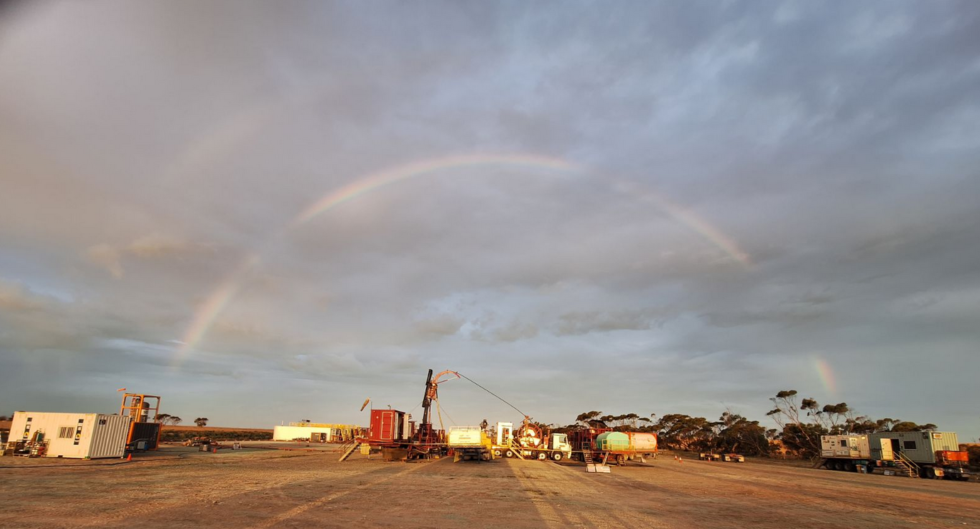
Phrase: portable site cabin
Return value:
(852, 446)
(920, 447)
(73, 435)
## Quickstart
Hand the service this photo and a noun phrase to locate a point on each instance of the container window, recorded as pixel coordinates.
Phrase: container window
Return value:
(843, 443)
(66, 432)
(908, 445)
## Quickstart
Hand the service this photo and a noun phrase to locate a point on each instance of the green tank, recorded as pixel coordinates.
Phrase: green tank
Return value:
(612, 441)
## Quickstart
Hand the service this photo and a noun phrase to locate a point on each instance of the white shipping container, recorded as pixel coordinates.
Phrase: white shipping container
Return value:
(74, 435)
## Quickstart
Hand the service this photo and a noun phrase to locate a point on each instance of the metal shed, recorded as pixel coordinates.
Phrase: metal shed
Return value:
(73, 435)
(920, 447)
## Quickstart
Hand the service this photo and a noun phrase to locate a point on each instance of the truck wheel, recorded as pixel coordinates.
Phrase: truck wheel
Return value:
(496, 453)
(509, 453)
(556, 456)
(849, 467)
(542, 456)
(620, 459)
(836, 464)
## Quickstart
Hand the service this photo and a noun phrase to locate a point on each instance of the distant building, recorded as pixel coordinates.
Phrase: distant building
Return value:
(316, 432)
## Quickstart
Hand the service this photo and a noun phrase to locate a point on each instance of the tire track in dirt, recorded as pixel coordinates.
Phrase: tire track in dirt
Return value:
(564, 498)
(296, 511)
(751, 486)
(274, 484)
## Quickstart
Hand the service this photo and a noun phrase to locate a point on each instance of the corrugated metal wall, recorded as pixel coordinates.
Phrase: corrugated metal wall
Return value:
(109, 434)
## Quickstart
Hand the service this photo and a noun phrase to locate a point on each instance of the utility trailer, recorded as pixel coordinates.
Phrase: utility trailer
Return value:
(928, 454)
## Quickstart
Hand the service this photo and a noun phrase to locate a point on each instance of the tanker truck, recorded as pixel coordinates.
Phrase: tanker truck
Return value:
(530, 442)
(603, 444)
(625, 446)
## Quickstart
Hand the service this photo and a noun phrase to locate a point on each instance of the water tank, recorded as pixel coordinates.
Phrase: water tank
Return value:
(614, 441)
(645, 442)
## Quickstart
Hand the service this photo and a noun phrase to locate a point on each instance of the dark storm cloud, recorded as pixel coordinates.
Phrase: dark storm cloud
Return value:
(150, 150)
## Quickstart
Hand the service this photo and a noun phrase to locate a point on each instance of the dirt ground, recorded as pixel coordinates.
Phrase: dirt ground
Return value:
(178, 487)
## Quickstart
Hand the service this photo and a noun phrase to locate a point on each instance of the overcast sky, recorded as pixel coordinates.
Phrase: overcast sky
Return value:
(650, 207)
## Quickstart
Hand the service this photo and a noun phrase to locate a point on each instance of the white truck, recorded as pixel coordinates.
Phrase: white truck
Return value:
(530, 442)
(469, 442)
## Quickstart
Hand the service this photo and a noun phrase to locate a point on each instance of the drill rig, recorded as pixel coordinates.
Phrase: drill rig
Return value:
(398, 437)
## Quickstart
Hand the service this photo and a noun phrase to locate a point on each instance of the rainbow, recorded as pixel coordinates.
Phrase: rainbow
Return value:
(212, 307)
(218, 300)
(389, 176)
(826, 375)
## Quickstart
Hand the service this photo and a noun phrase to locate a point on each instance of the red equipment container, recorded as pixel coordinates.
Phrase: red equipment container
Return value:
(947, 457)
(387, 426)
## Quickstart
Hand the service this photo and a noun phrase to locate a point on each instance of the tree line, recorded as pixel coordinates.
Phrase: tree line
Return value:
(800, 423)
(173, 420)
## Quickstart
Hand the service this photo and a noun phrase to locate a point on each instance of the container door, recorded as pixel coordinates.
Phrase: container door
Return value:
(388, 426)
(854, 449)
(886, 450)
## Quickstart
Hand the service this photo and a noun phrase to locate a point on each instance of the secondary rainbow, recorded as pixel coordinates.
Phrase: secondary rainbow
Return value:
(826, 375)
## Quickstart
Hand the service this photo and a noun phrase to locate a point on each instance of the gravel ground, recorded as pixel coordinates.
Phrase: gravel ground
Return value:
(178, 487)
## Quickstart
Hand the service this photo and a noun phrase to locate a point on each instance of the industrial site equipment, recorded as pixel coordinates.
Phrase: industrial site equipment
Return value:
(397, 436)
(604, 444)
(145, 429)
(69, 435)
(469, 443)
(928, 454)
(530, 442)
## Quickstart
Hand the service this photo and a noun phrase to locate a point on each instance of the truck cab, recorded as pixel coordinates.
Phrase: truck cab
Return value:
(560, 446)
